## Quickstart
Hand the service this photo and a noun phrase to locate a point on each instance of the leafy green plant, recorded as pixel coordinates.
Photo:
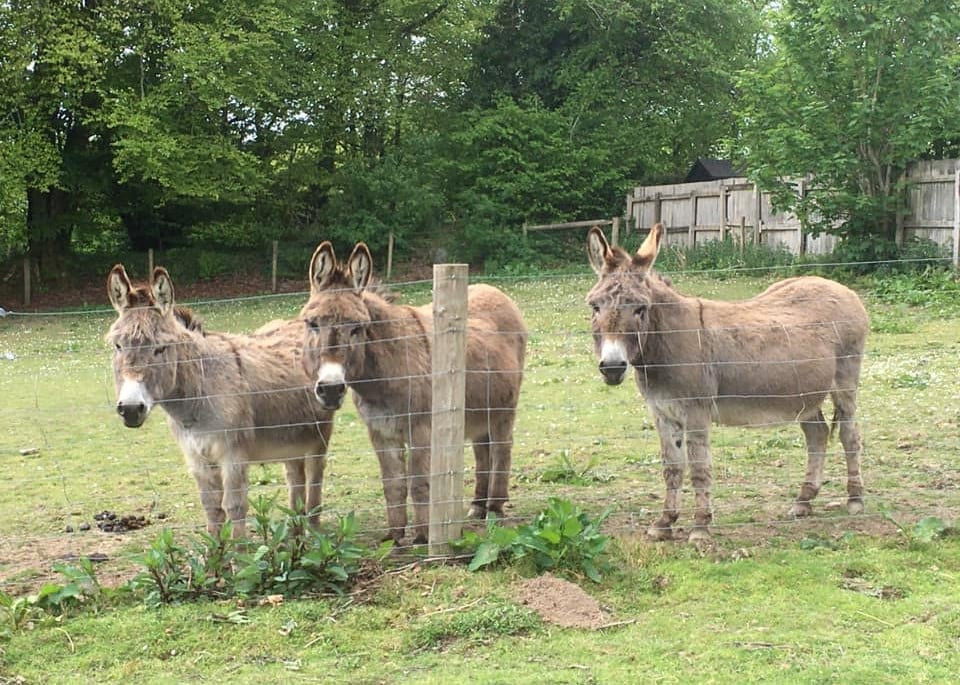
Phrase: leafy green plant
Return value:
(560, 538)
(16, 614)
(924, 531)
(81, 587)
(567, 471)
(293, 558)
(174, 572)
(285, 555)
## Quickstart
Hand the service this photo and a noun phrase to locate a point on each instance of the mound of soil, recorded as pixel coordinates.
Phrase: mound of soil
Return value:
(561, 602)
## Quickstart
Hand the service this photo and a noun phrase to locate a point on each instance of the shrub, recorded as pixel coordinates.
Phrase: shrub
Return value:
(560, 538)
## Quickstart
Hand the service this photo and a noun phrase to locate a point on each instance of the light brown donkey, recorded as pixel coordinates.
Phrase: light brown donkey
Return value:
(382, 351)
(229, 399)
(771, 359)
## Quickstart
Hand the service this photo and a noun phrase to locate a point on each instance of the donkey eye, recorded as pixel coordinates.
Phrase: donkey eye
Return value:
(356, 331)
(118, 347)
(312, 325)
(640, 312)
(595, 308)
(159, 349)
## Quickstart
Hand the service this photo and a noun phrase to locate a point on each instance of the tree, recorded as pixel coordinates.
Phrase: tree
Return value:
(850, 93)
(51, 150)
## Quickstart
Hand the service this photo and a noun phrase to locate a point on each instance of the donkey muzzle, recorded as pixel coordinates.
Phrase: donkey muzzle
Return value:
(132, 413)
(331, 395)
(613, 372)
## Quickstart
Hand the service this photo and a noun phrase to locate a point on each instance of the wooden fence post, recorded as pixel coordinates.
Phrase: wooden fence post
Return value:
(723, 211)
(389, 254)
(449, 397)
(273, 268)
(743, 234)
(692, 230)
(616, 231)
(657, 208)
(956, 218)
(149, 263)
(26, 281)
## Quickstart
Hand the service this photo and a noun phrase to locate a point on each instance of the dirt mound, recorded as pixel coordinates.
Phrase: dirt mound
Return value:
(561, 602)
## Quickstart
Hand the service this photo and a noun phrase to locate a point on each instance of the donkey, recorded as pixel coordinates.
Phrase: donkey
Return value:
(382, 351)
(229, 399)
(772, 358)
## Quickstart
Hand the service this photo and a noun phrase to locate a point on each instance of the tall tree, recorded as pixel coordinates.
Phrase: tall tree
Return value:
(55, 57)
(849, 93)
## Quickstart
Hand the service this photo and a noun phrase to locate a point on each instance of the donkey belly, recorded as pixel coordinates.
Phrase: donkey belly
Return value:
(761, 411)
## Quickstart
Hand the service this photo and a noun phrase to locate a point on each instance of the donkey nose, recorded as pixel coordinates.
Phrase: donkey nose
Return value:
(613, 372)
(331, 394)
(132, 413)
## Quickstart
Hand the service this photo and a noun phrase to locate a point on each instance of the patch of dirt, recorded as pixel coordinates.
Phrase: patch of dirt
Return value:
(561, 602)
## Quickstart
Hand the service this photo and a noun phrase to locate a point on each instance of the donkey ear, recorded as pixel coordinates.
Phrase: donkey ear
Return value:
(360, 267)
(322, 266)
(162, 288)
(647, 253)
(118, 288)
(598, 249)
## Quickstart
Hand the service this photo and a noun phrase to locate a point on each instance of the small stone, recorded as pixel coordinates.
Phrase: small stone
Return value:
(84, 526)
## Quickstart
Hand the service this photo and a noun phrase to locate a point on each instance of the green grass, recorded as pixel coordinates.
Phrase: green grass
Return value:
(830, 599)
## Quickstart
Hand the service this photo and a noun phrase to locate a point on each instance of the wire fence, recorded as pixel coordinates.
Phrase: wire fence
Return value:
(76, 482)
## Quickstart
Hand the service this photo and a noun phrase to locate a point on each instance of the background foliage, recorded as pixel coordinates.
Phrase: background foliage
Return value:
(207, 125)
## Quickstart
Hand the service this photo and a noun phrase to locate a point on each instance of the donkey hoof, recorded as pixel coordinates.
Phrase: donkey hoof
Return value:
(699, 534)
(854, 506)
(801, 510)
(658, 532)
(477, 512)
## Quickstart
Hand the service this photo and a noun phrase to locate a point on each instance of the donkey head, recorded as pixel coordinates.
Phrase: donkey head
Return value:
(337, 321)
(621, 301)
(144, 338)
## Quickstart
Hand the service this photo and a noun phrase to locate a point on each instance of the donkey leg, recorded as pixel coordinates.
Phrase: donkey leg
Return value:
(313, 467)
(210, 487)
(293, 469)
(501, 458)
(481, 453)
(701, 474)
(671, 451)
(846, 404)
(235, 495)
(816, 432)
(393, 475)
(420, 481)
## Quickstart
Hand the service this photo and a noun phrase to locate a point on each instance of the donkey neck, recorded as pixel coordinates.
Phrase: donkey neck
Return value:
(397, 347)
(199, 357)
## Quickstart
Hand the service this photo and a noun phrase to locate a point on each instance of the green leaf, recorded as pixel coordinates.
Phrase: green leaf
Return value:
(487, 553)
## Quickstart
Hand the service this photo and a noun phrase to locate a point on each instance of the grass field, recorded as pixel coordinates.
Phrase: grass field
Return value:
(832, 598)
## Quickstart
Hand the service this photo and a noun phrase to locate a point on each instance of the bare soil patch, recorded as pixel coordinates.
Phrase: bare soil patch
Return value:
(561, 602)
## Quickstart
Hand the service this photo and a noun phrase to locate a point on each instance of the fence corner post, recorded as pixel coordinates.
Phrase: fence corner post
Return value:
(449, 360)
(27, 296)
(273, 268)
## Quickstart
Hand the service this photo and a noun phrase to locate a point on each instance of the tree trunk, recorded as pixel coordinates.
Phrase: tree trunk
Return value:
(48, 230)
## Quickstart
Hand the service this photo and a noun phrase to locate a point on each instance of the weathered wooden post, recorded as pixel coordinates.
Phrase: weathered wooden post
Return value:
(449, 397)
(389, 254)
(723, 211)
(743, 233)
(27, 297)
(273, 268)
(149, 262)
(956, 218)
(616, 231)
